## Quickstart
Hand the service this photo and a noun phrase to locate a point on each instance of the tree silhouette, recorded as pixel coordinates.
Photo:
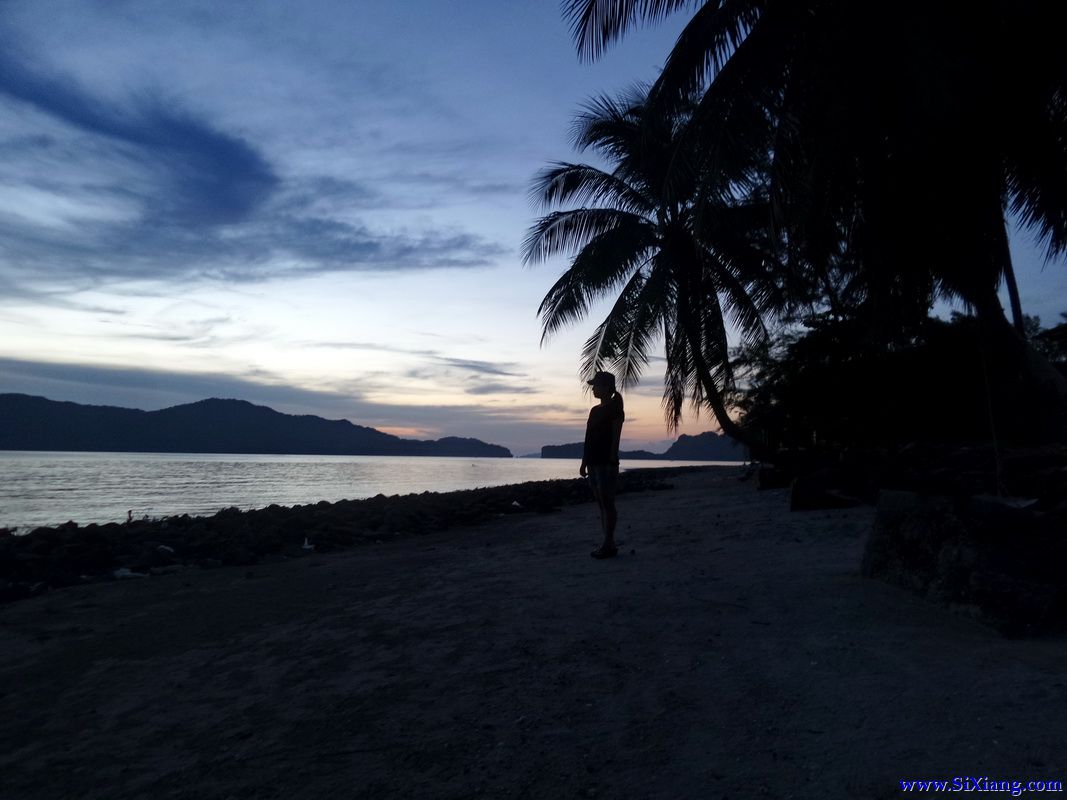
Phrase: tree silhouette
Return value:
(680, 251)
(897, 141)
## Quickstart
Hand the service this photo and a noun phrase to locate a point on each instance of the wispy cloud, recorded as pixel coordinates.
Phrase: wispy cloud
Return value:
(499, 388)
(104, 191)
(482, 367)
(433, 357)
(211, 177)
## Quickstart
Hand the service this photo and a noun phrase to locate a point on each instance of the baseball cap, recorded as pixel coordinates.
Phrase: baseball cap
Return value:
(605, 378)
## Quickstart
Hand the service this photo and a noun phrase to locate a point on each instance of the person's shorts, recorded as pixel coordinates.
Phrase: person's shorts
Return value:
(603, 477)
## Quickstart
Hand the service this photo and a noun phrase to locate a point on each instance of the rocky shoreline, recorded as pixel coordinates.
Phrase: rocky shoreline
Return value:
(69, 554)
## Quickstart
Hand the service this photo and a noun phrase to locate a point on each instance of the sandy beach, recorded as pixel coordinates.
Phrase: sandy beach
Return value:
(731, 651)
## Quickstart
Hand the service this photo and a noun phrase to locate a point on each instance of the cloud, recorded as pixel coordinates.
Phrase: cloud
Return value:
(373, 346)
(95, 191)
(482, 367)
(202, 333)
(499, 388)
(211, 177)
(452, 184)
(330, 192)
(272, 246)
(438, 362)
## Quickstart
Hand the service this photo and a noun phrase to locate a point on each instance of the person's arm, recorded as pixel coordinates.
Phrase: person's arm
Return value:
(616, 429)
(583, 470)
(616, 436)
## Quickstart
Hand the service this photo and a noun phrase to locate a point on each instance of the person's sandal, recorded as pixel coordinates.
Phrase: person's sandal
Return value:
(605, 552)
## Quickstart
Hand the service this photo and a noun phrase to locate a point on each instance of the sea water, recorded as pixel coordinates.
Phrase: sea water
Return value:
(48, 488)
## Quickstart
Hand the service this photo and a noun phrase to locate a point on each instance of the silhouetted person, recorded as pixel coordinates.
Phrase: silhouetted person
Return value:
(600, 457)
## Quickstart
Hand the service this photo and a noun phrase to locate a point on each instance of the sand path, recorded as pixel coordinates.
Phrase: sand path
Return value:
(736, 654)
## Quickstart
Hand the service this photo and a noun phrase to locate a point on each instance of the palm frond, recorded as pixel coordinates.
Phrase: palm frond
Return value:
(606, 262)
(607, 340)
(739, 304)
(679, 380)
(610, 125)
(715, 31)
(563, 183)
(649, 310)
(563, 232)
(1037, 174)
(714, 342)
(595, 24)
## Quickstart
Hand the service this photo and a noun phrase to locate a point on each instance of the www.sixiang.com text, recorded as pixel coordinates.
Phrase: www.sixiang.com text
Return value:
(984, 784)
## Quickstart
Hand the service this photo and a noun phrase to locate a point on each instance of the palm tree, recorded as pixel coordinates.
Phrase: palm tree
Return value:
(901, 139)
(681, 253)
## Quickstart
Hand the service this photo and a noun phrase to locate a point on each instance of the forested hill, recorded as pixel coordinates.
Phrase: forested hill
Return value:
(207, 426)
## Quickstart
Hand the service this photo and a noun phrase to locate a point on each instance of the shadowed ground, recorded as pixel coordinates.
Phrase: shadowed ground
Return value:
(736, 654)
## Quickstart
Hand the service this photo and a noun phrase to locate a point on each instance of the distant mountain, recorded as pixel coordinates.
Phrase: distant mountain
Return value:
(208, 426)
(706, 446)
(574, 450)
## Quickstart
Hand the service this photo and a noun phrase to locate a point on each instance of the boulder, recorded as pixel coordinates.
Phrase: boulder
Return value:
(827, 488)
(993, 556)
(770, 477)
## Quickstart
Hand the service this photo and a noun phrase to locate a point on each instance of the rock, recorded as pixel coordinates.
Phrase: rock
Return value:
(9, 591)
(986, 554)
(69, 554)
(237, 556)
(909, 530)
(171, 570)
(123, 573)
(827, 488)
(772, 478)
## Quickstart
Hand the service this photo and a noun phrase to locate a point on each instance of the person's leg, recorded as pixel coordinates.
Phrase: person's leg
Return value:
(605, 494)
(610, 518)
(594, 484)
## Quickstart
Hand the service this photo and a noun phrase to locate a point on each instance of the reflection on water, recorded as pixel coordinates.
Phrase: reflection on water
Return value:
(48, 488)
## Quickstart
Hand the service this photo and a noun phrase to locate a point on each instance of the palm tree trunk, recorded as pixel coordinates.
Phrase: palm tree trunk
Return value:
(1013, 297)
(1043, 388)
(757, 449)
(1008, 270)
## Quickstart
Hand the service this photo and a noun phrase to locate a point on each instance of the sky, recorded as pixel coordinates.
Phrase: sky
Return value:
(315, 205)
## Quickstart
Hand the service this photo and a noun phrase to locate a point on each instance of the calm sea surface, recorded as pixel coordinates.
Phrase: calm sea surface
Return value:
(39, 488)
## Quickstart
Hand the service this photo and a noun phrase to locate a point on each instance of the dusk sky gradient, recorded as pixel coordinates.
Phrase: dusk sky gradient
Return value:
(315, 205)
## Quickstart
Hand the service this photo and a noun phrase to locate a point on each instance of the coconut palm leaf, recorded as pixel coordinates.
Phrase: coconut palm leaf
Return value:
(1037, 173)
(641, 237)
(680, 383)
(740, 303)
(564, 183)
(600, 267)
(715, 31)
(610, 126)
(609, 338)
(563, 232)
(597, 23)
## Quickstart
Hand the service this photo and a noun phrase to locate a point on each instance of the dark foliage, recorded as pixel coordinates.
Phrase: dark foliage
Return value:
(834, 386)
(890, 144)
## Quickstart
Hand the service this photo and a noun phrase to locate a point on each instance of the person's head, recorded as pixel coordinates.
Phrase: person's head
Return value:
(603, 384)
